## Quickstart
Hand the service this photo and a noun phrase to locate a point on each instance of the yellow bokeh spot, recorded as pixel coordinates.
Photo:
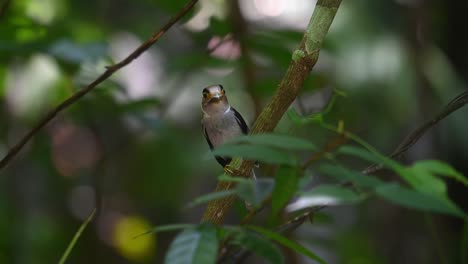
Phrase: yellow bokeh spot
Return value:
(128, 242)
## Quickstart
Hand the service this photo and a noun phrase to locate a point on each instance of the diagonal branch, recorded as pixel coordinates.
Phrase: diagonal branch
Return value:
(110, 70)
(303, 60)
(456, 103)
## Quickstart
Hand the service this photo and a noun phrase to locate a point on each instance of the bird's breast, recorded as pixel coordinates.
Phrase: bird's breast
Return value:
(221, 128)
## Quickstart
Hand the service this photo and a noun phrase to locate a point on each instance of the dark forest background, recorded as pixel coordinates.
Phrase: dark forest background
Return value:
(134, 146)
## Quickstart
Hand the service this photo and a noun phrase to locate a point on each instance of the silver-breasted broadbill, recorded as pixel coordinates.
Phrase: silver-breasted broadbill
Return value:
(220, 122)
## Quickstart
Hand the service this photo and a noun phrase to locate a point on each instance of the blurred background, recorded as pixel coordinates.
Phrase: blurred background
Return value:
(134, 146)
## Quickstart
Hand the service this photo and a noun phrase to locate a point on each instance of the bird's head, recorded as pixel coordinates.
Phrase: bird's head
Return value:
(214, 100)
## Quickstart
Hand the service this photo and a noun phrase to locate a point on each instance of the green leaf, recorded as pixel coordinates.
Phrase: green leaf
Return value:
(255, 192)
(225, 177)
(259, 245)
(166, 228)
(343, 174)
(419, 177)
(424, 181)
(77, 235)
(297, 119)
(210, 197)
(441, 168)
(260, 153)
(369, 156)
(286, 183)
(286, 242)
(400, 195)
(332, 194)
(276, 140)
(193, 246)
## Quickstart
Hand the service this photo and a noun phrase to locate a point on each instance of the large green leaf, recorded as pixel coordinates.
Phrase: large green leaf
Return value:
(365, 154)
(277, 140)
(286, 183)
(412, 177)
(258, 245)
(287, 243)
(193, 246)
(344, 174)
(255, 192)
(166, 228)
(297, 119)
(441, 168)
(225, 177)
(424, 181)
(400, 195)
(210, 197)
(261, 153)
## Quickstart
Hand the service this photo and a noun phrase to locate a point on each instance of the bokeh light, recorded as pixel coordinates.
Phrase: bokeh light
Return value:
(74, 148)
(129, 241)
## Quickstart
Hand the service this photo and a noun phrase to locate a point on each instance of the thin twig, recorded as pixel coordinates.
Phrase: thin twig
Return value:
(110, 70)
(456, 103)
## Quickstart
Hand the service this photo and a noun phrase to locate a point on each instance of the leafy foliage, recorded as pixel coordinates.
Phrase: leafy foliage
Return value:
(253, 152)
(417, 200)
(287, 243)
(198, 245)
(259, 245)
(136, 138)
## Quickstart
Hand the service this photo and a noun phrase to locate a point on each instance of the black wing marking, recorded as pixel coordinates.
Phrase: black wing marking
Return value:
(221, 160)
(243, 126)
(207, 138)
(241, 121)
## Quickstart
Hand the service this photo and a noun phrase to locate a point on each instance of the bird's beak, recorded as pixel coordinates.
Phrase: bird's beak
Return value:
(217, 95)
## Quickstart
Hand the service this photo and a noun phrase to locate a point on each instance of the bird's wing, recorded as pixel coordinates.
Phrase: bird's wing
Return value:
(221, 160)
(206, 137)
(245, 130)
(241, 121)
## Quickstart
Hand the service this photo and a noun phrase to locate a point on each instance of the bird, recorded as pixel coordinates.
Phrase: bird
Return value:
(221, 122)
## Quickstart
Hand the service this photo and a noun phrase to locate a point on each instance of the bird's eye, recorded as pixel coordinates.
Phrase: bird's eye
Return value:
(205, 95)
(222, 91)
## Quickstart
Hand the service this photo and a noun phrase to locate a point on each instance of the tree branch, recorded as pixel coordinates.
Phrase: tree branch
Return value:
(456, 103)
(110, 70)
(303, 60)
